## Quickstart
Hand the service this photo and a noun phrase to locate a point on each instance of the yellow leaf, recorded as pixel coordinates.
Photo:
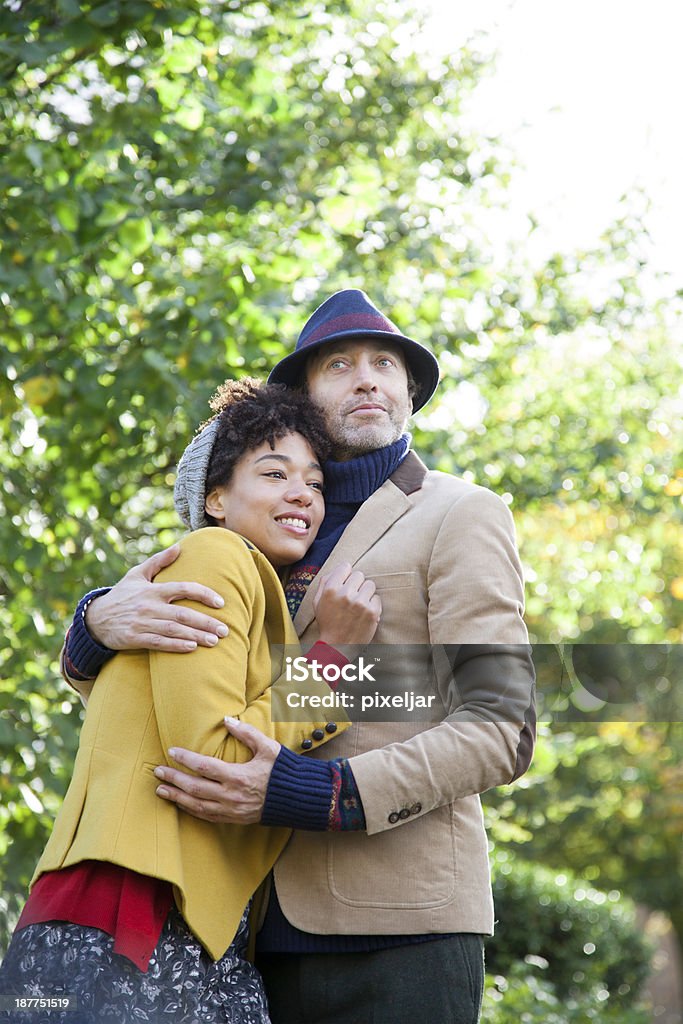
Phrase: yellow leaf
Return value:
(677, 588)
(39, 390)
(674, 487)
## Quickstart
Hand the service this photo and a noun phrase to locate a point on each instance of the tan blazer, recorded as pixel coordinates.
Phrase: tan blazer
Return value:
(145, 703)
(442, 553)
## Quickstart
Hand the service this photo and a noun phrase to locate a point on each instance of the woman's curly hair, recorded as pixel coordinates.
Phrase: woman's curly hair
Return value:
(250, 413)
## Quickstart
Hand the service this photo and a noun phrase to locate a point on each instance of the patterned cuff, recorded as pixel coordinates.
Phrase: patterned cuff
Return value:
(346, 809)
(83, 656)
(299, 793)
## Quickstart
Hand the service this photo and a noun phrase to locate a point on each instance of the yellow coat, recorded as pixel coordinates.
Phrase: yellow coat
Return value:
(143, 704)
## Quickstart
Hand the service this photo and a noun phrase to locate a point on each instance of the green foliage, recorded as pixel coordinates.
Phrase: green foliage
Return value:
(523, 996)
(605, 799)
(584, 941)
(180, 184)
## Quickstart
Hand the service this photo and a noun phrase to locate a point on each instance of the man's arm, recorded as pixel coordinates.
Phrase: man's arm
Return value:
(276, 787)
(138, 614)
(476, 595)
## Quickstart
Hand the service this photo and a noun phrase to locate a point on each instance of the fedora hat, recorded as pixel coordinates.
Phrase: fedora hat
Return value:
(351, 314)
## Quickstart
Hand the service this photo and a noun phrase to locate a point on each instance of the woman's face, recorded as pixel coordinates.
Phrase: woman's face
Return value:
(273, 498)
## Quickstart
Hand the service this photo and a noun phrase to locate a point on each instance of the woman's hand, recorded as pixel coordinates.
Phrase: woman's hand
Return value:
(347, 607)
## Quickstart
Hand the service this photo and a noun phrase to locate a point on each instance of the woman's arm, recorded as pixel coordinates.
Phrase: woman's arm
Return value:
(193, 694)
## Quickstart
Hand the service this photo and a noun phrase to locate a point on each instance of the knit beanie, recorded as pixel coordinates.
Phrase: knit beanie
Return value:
(189, 493)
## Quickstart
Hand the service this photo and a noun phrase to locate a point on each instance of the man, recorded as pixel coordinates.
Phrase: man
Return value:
(385, 922)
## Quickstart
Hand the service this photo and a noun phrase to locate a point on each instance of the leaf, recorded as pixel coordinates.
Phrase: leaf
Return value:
(112, 212)
(184, 56)
(39, 390)
(135, 235)
(66, 213)
(69, 10)
(190, 113)
(105, 14)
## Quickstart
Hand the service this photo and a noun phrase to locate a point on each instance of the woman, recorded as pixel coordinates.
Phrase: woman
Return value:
(136, 909)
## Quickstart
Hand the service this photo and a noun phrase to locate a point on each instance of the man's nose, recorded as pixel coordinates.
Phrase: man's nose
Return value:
(364, 376)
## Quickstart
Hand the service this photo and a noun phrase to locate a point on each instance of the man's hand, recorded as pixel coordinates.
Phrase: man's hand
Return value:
(226, 793)
(137, 613)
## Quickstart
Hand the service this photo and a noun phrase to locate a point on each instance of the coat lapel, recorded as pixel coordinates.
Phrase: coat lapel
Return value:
(373, 519)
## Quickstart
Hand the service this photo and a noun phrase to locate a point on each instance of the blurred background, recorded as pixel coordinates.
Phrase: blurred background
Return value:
(181, 184)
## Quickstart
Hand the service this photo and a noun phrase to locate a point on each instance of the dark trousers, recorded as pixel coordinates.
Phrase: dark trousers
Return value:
(441, 982)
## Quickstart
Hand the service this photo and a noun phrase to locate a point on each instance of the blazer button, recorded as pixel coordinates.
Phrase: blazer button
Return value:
(331, 727)
(404, 813)
(306, 744)
(393, 817)
(416, 808)
(318, 734)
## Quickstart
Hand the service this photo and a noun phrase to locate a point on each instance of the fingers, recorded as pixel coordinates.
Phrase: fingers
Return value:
(182, 621)
(183, 591)
(367, 589)
(344, 578)
(260, 744)
(174, 628)
(376, 607)
(197, 794)
(207, 810)
(333, 579)
(169, 645)
(211, 769)
(219, 792)
(151, 566)
(180, 591)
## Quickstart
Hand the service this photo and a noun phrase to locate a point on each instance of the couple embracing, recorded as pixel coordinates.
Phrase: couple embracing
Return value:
(379, 897)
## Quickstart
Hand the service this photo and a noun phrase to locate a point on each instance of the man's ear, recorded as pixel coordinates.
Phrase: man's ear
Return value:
(213, 506)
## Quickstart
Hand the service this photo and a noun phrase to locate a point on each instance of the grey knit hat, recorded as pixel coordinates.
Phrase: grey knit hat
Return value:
(189, 493)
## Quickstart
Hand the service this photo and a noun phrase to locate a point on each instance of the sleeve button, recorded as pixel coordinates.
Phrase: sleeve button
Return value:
(318, 734)
(393, 817)
(404, 813)
(331, 727)
(306, 744)
(416, 808)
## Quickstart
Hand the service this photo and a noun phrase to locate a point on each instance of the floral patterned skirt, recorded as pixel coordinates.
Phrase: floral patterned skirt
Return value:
(183, 985)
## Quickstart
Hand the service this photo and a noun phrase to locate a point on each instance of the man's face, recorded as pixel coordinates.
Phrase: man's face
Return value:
(361, 387)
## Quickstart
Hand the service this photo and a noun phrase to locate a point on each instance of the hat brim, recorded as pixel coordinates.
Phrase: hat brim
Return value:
(422, 362)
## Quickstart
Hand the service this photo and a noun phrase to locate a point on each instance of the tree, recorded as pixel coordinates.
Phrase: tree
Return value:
(182, 183)
(179, 179)
(606, 799)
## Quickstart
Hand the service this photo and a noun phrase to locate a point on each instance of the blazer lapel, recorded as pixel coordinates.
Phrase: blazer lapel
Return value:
(373, 519)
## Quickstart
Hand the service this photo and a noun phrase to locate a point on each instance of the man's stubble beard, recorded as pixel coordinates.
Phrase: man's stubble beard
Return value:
(349, 440)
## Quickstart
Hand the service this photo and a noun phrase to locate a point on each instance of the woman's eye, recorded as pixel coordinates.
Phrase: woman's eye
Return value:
(318, 485)
(275, 473)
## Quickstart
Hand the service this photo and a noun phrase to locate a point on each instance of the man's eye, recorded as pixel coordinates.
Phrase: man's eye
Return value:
(318, 485)
(336, 364)
(385, 361)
